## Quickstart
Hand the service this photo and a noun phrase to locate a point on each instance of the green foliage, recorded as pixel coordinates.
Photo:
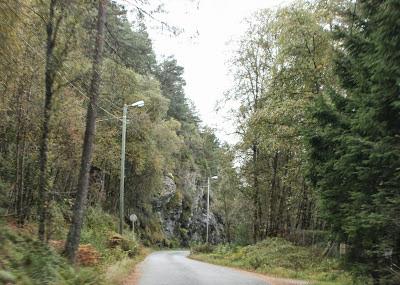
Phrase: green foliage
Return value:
(201, 248)
(285, 82)
(6, 277)
(30, 262)
(227, 194)
(175, 201)
(353, 139)
(283, 61)
(3, 197)
(72, 276)
(163, 137)
(170, 75)
(58, 212)
(131, 45)
(278, 257)
(117, 272)
(98, 229)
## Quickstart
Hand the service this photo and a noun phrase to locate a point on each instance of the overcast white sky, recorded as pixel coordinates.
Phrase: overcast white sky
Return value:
(204, 57)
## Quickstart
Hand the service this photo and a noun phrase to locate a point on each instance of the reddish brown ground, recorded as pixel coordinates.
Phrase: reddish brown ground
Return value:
(133, 278)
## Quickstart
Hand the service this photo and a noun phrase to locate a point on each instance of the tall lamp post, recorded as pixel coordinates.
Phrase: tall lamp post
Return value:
(138, 104)
(208, 203)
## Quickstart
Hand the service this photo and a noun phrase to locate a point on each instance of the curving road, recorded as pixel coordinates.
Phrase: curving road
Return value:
(174, 268)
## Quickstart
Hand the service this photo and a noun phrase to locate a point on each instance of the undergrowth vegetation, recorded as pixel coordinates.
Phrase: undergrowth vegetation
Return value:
(280, 258)
(99, 229)
(26, 261)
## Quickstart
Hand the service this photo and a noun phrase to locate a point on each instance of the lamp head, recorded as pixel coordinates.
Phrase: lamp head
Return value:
(138, 104)
(214, 177)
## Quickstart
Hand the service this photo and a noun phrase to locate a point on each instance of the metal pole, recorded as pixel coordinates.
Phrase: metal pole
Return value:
(122, 178)
(208, 206)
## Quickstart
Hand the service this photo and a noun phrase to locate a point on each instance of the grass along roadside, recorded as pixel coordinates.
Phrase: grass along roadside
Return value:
(269, 279)
(121, 271)
(277, 257)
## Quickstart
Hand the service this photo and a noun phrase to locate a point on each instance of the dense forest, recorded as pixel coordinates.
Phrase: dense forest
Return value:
(319, 129)
(317, 85)
(41, 146)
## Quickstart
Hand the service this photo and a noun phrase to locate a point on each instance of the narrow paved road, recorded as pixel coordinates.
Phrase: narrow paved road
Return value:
(174, 268)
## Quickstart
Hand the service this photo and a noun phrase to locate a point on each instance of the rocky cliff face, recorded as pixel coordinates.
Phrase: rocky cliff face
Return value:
(183, 213)
(199, 221)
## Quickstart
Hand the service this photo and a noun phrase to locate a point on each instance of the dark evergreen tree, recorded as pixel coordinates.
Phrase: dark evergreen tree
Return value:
(128, 43)
(74, 235)
(355, 141)
(170, 75)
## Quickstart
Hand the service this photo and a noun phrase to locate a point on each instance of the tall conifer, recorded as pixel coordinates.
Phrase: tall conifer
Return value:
(355, 144)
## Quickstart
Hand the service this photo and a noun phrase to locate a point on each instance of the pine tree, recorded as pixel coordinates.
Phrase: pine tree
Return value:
(74, 234)
(355, 141)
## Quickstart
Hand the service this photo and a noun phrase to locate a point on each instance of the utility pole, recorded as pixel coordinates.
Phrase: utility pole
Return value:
(138, 104)
(208, 203)
(122, 177)
(208, 206)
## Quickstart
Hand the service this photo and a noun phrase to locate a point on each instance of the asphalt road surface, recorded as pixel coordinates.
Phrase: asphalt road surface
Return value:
(174, 268)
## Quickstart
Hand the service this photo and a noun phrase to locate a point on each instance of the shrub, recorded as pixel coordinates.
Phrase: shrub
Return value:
(98, 230)
(130, 245)
(202, 248)
(29, 262)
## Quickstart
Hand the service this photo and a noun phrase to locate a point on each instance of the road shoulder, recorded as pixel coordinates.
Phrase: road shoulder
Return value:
(271, 280)
(132, 274)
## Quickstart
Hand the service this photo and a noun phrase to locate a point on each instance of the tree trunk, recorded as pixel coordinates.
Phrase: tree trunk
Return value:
(227, 219)
(21, 201)
(17, 188)
(257, 202)
(49, 81)
(273, 202)
(74, 234)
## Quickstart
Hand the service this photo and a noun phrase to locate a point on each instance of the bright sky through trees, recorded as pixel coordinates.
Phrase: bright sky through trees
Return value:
(204, 48)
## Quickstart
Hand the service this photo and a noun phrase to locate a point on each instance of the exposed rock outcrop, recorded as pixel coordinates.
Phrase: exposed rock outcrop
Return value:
(168, 206)
(183, 213)
(199, 221)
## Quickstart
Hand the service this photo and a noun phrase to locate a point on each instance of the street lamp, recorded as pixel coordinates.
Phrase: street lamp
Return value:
(138, 104)
(208, 203)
